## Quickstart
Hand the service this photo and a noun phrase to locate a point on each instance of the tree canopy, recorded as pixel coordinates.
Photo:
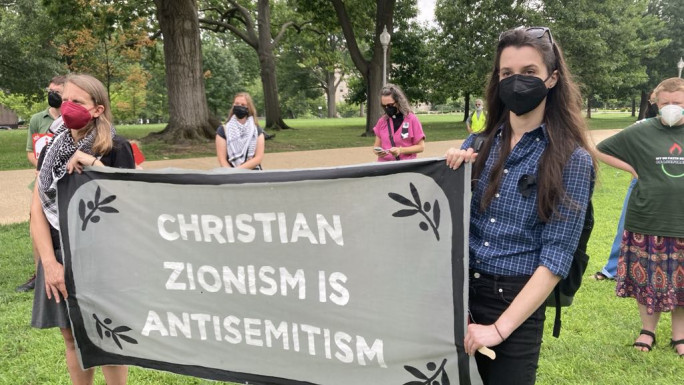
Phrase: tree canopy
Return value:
(293, 54)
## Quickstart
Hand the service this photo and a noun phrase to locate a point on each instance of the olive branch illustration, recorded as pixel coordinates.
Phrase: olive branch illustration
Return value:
(418, 208)
(429, 380)
(93, 207)
(115, 334)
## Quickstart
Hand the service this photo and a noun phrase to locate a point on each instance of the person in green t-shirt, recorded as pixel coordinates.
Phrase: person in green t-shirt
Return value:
(650, 266)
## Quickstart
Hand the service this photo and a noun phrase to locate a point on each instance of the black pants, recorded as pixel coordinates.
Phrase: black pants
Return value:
(516, 358)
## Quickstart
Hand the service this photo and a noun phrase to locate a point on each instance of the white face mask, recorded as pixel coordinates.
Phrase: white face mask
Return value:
(671, 114)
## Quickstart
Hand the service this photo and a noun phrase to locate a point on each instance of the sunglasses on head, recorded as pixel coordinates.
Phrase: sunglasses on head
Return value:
(536, 32)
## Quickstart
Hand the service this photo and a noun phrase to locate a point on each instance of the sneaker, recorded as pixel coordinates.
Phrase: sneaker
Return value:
(28, 286)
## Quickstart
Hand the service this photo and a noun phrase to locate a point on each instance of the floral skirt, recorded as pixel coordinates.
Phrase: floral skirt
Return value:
(651, 269)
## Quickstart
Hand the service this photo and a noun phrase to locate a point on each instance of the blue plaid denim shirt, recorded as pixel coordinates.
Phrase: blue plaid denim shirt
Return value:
(508, 238)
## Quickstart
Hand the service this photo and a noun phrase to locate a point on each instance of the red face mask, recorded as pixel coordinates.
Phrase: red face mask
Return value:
(75, 116)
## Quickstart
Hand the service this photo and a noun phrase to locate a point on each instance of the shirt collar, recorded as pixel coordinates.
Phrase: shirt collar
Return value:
(539, 132)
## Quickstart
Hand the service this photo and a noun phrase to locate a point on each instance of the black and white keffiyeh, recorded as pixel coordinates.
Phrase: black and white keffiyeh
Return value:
(241, 140)
(57, 154)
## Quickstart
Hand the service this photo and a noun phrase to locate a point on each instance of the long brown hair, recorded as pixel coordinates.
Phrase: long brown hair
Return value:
(399, 97)
(565, 127)
(103, 123)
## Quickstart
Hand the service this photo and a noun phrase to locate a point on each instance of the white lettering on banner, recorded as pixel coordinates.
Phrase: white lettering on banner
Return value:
(267, 280)
(266, 333)
(244, 228)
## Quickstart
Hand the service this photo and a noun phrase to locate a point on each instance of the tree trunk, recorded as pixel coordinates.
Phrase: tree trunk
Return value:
(466, 109)
(189, 117)
(374, 108)
(274, 119)
(331, 93)
(643, 105)
(371, 71)
(589, 107)
(633, 106)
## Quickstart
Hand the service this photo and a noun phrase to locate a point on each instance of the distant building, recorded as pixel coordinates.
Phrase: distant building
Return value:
(8, 119)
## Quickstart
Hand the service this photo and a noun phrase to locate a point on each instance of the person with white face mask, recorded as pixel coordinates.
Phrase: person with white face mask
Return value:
(650, 262)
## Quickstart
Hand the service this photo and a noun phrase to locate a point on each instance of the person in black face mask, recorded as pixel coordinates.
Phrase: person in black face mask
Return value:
(398, 133)
(532, 178)
(241, 142)
(39, 126)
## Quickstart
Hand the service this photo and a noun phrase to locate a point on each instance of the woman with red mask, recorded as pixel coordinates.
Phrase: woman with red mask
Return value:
(86, 138)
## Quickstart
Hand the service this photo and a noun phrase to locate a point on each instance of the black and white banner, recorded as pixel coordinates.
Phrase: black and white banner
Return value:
(349, 275)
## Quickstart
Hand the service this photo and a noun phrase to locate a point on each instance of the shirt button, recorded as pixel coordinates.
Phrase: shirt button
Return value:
(492, 220)
(505, 171)
(500, 290)
(486, 243)
(537, 139)
(476, 275)
(497, 195)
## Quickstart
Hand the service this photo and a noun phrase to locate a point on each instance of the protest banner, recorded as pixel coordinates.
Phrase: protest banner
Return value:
(348, 275)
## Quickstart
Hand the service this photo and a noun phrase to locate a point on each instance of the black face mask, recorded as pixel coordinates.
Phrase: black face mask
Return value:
(391, 110)
(522, 94)
(54, 99)
(240, 111)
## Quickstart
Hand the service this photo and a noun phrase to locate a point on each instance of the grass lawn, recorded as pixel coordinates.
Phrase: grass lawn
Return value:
(594, 346)
(306, 134)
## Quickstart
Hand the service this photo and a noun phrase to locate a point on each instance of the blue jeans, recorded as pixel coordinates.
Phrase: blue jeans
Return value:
(516, 358)
(610, 269)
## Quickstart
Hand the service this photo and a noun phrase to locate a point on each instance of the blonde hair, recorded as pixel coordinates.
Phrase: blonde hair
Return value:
(669, 85)
(250, 106)
(103, 123)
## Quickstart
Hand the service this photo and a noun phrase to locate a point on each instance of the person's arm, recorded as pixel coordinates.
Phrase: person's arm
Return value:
(416, 148)
(532, 295)
(617, 163)
(40, 233)
(80, 159)
(32, 158)
(221, 151)
(466, 154)
(258, 153)
(30, 154)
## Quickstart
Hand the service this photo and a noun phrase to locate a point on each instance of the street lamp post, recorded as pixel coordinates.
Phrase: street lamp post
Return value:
(385, 40)
(680, 65)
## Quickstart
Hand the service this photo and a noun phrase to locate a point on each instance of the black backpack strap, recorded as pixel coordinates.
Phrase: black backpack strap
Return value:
(557, 320)
(391, 136)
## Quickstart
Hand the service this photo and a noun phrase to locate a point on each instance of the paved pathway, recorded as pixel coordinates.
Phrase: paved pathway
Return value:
(15, 196)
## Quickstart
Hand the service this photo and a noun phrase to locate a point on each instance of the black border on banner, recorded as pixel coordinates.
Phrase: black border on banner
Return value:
(435, 168)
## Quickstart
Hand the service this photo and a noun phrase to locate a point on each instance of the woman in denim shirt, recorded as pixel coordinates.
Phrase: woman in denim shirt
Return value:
(533, 174)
